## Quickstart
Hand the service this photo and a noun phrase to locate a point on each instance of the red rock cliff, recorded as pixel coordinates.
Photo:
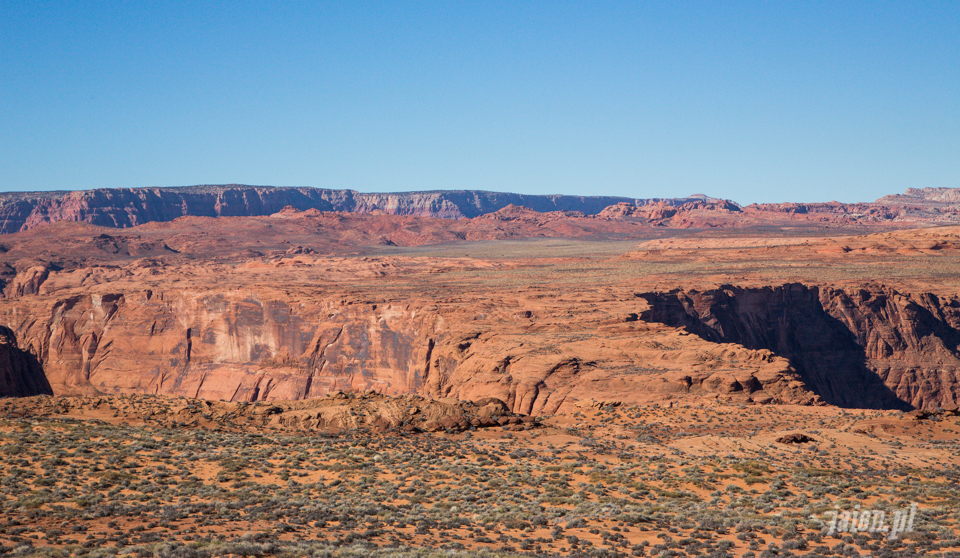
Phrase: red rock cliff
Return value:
(869, 347)
(95, 331)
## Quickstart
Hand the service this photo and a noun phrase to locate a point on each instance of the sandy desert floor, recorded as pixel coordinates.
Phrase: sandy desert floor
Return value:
(94, 476)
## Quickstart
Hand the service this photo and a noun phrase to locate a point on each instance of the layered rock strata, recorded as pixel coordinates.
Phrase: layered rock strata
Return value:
(872, 347)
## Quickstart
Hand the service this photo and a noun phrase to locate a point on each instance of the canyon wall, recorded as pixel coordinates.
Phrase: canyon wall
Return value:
(107, 330)
(219, 347)
(248, 344)
(870, 348)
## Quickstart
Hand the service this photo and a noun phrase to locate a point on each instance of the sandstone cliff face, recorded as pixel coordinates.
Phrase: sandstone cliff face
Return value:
(872, 347)
(128, 207)
(220, 347)
(94, 331)
(247, 344)
(912, 342)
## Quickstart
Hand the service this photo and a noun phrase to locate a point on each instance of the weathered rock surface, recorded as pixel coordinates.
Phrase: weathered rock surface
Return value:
(870, 347)
(924, 196)
(245, 346)
(333, 413)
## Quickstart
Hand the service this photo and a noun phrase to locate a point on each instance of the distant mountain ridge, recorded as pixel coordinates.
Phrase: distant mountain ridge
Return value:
(127, 207)
(923, 196)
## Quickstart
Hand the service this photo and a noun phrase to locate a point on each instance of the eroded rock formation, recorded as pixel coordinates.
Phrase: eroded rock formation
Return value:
(871, 347)
(243, 346)
(336, 412)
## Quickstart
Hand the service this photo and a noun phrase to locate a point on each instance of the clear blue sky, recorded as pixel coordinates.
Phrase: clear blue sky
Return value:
(753, 101)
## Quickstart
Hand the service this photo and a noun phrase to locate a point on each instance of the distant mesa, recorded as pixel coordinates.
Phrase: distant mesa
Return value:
(130, 207)
(924, 196)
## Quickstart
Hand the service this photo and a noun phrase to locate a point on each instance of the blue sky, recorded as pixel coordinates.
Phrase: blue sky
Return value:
(753, 101)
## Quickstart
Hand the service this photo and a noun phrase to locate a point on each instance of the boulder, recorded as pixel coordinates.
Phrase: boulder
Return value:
(795, 438)
(491, 407)
(432, 426)
(919, 414)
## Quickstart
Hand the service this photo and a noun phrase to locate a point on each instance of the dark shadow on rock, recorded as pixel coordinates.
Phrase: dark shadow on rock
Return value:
(790, 322)
(21, 374)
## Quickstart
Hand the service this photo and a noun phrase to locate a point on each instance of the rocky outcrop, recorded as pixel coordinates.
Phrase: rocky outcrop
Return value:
(924, 196)
(28, 281)
(621, 210)
(795, 438)
(128, 207)
(842, 213)
(220, 347)
(926, 205)
(629, 363)
(688, 214)
(337, 412)
(872, 347)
